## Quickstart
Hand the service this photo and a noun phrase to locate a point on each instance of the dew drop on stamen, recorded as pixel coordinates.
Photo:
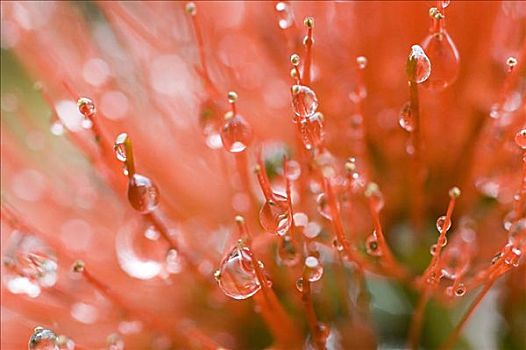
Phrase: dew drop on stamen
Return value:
(441, 224)
(43, 339)
(371, 245)
(236, 275)
(323, 206)
(299, 284)
(304, 101)
(288, 252)
(143, 195)
(406, 119)
(236, 134)
(520, 138)
(433, 249)
(275, 215)
(422, 64)
(460, 290)
(373, 193)
(119, 148)
(314, 270)
(444, 58)
(86, 107)
(285, 15)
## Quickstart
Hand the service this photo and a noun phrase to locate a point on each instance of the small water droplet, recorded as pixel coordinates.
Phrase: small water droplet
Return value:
(86, 107)
(57, 128)
(460, 290)
(275, 215)
(336, 244)
(323, 206)
(420, 66)
(442, 225)
(517, 233)
(29, 265)
(304, 101)
(301, 219)
(143, 195)
(114, 342)
(375, 196)
(299, 284)
(445, 59)
(285, 15)
(433, 249)
(119, 147)
(313, 268)
(236, 134)
(312, 230)
(406, 120)
(293, 170)
(520, 138)
(43, 339)
(236, 276)
(361, 61)
(288, 252)
(371, 245)
(444, 3)
(173, 262)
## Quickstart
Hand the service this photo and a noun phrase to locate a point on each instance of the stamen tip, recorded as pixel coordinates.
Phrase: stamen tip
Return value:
(454, 192)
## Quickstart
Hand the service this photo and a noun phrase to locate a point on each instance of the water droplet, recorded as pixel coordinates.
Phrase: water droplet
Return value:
(299, 284)
(361, 61)
(444, 3)
(236, 134)
(508, 220)
(86, 107)
(433, 249)
(312, 230)
(173, 262)
(323, 206)
(419, 65)
(311, 130)
(114, 342)
(65, 343)
(301, 219)
(43, 339)
(29, 265)
(460, 290)
(139, 256)
(517, 233)
(371, 245)
(288, 252)
(445, 60)
(57, 128)
(236, 276)
(375, 196)
(209, 121)
(513, 257)
(304, 101)
(119, 147)
(520, 138)
(285, 15)
(406, 120)
(87, 124)
(314, 270)
(337, 245)
(143, 195)
(442, 225)
(275, 215)
(293, 170)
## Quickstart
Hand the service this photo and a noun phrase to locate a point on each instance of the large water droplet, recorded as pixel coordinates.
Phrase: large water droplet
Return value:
(442, 225)
(314, 270)
(119, 147)
(29, 265)
(236, 134)
(236, 276)
(43, 339)
(140, 251)
(406, 119)
(304, 101)
(285, 15)
(445, 59)
(275, 215)
(419, 66)
(143, 195)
